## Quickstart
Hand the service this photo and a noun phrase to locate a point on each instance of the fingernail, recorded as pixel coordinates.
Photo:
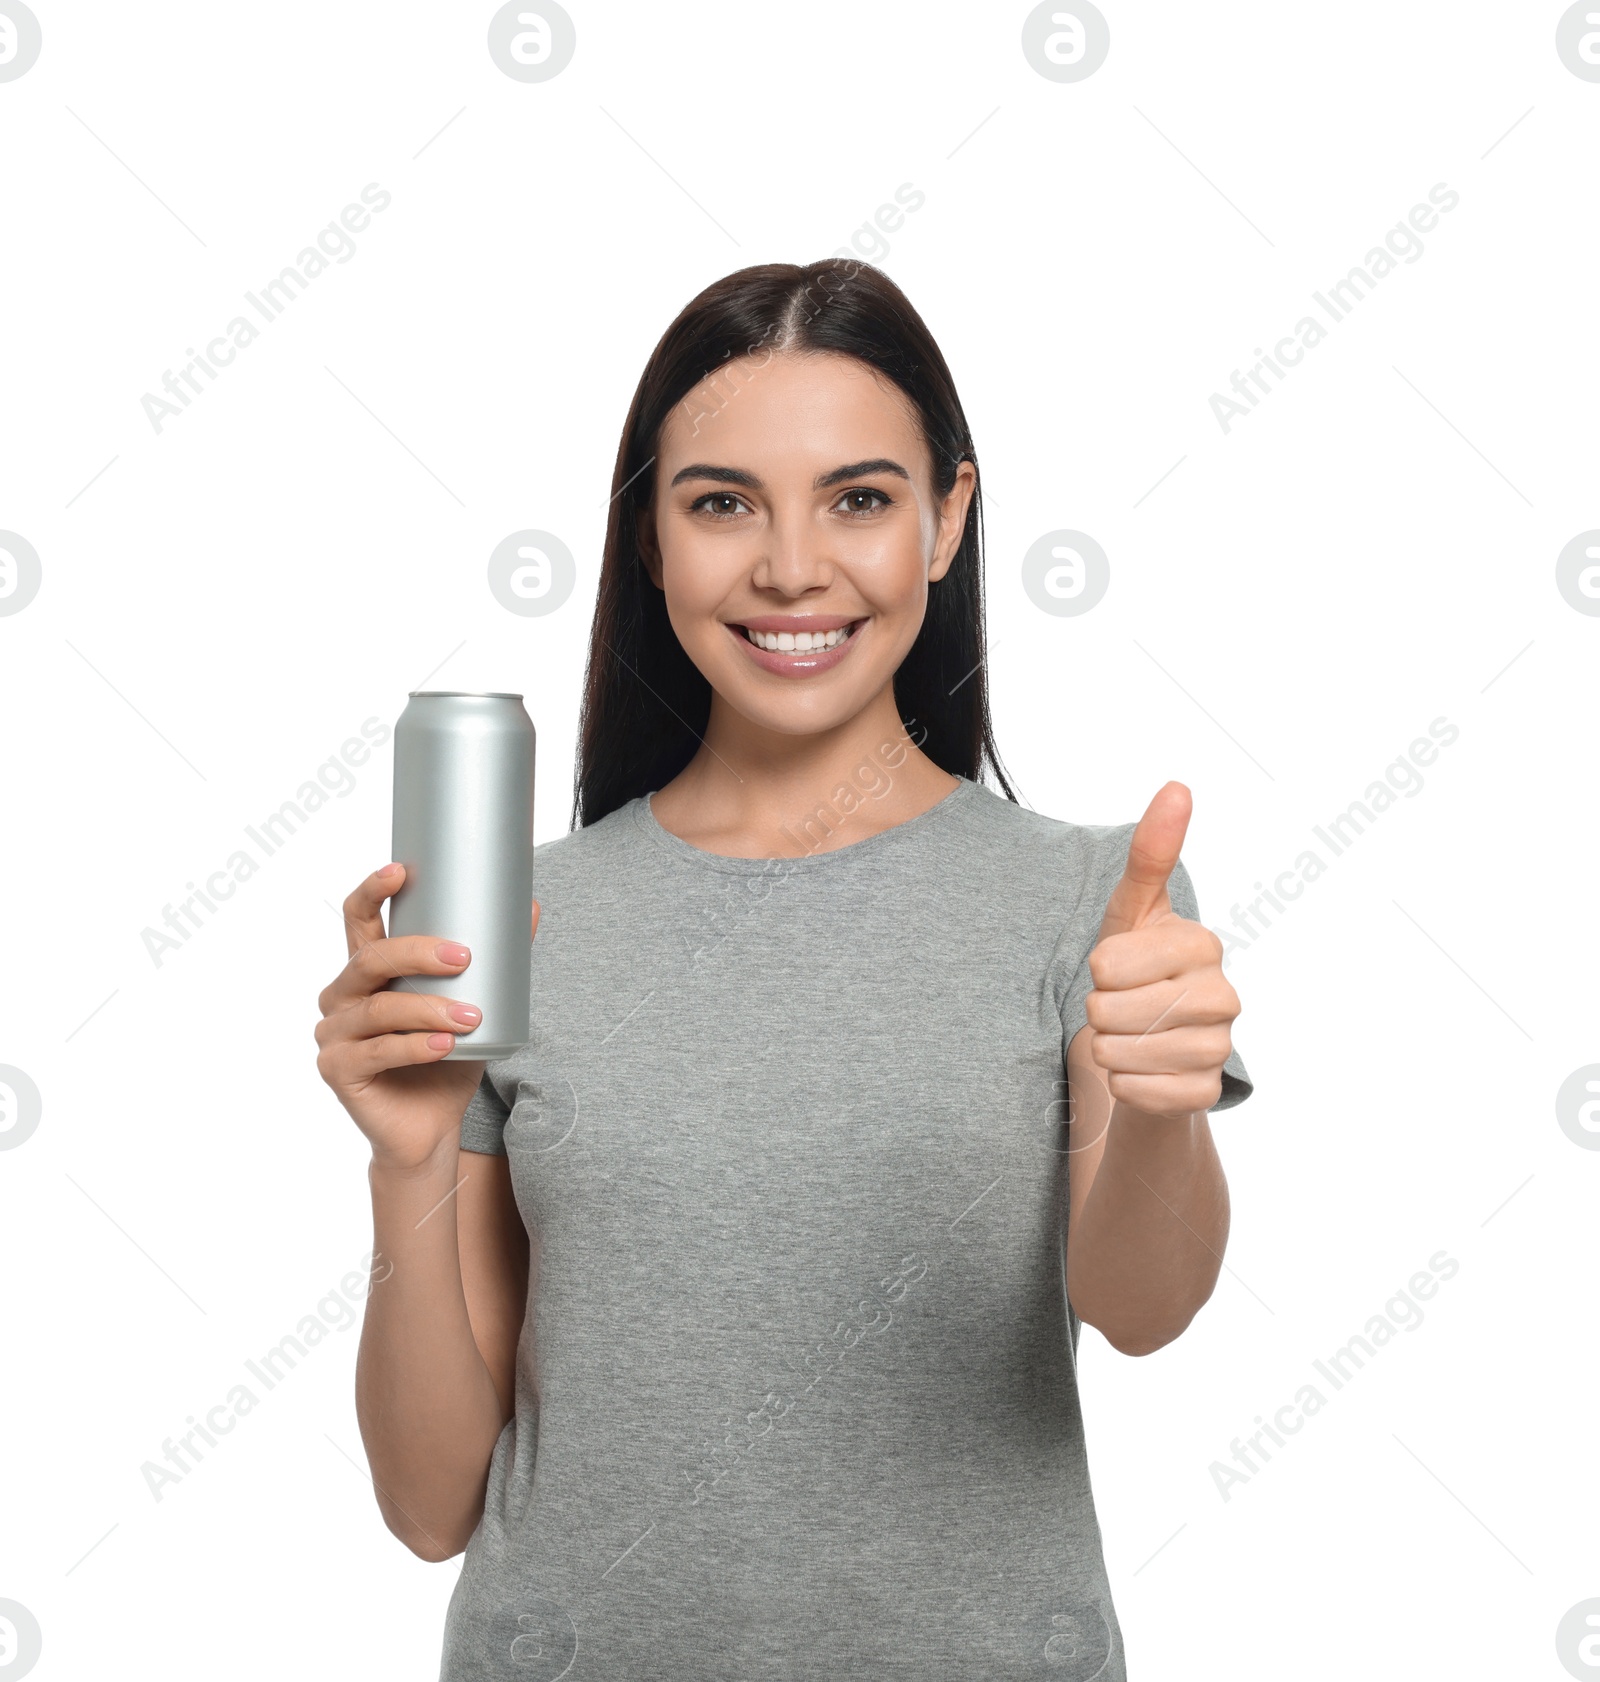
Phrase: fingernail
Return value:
(453, 952)
(470, 1014)
(390, 870)
(441, 1042)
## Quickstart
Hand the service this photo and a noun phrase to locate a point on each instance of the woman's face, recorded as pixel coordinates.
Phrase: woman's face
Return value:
(795, 501)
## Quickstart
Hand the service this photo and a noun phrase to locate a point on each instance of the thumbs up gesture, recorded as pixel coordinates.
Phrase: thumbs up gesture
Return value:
(1161, 1007)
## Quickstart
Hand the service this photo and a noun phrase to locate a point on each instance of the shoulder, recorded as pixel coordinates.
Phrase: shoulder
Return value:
(1051, 871)
(1025, 839)
(582, 857)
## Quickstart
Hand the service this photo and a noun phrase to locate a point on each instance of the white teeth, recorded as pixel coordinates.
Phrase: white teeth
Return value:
(798, 642)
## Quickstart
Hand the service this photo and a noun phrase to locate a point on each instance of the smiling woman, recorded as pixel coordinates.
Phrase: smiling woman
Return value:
(796, 462)
(734, 1320)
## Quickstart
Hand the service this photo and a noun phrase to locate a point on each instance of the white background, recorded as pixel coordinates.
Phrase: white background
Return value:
(1373, 547)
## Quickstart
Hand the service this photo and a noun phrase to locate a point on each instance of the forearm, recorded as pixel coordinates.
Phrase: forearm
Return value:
(425, 1400)
(1144, 1252)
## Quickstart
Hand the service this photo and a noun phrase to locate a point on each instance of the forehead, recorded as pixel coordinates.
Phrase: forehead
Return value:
(811, 411)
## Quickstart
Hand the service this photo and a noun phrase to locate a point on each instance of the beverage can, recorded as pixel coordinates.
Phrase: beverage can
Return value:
(463, 828)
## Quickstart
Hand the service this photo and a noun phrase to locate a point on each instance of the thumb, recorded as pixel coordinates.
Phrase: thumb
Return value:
(1141, 894)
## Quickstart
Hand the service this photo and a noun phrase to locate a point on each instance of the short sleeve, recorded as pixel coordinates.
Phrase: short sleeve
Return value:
(484, 1121)
(1236, 1082)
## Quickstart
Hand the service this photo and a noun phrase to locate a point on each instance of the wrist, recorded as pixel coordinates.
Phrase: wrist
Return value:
(1153, 1131)
(392, 1168)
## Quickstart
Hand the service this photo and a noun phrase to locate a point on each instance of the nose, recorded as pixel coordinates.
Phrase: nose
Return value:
(793, 556)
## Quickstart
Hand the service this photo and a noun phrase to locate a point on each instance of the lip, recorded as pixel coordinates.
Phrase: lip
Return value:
(800, 621)
(798, 663)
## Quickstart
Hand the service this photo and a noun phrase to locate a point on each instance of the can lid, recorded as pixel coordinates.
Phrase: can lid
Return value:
(471, 694)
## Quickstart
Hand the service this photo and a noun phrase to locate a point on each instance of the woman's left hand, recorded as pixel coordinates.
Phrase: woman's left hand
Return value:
(1161, 1006)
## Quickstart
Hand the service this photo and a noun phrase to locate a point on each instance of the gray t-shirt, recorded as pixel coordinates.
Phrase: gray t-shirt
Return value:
(796, 1392)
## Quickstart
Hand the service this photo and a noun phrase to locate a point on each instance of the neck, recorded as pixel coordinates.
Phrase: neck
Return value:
(756, 793)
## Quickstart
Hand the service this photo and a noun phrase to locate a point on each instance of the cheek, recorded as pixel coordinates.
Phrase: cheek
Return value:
(696, 574)
(891, 567)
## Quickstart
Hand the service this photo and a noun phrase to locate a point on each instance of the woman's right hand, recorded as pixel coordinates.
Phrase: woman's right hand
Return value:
(380, 1050)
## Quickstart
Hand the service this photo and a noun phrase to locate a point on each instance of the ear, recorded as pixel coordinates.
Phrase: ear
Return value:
(953, 520)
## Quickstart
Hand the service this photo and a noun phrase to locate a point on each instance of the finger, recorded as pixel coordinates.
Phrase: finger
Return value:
(1172, 946)
(1179, 1002)
(353, 1061)
(378, 962)
(398, 1011)
(1152, 852)
(535, 929)
(363, 921)
(1177, 1051)
(1169, 1095)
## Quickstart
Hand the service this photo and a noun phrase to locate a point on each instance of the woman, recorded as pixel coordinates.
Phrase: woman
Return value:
(732, 1325)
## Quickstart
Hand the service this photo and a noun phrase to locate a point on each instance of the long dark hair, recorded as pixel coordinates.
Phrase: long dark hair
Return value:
(645, 703)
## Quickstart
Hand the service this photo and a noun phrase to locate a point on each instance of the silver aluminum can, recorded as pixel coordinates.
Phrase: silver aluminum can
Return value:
(463, 828)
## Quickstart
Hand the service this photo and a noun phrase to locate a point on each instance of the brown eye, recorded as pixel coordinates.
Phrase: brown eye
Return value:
(720, 505)
(862, 502)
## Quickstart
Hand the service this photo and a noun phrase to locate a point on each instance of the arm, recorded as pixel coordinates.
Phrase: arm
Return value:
(436, 1369)
(1148, 1212)
(1147, 1202)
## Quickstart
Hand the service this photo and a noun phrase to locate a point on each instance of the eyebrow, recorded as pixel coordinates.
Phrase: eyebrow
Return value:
(737, 475)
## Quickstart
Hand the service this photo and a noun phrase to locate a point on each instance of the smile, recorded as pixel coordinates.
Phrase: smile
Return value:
(798, 651)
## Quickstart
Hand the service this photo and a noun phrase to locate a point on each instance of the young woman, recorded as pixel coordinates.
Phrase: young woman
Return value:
(731, 1326)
